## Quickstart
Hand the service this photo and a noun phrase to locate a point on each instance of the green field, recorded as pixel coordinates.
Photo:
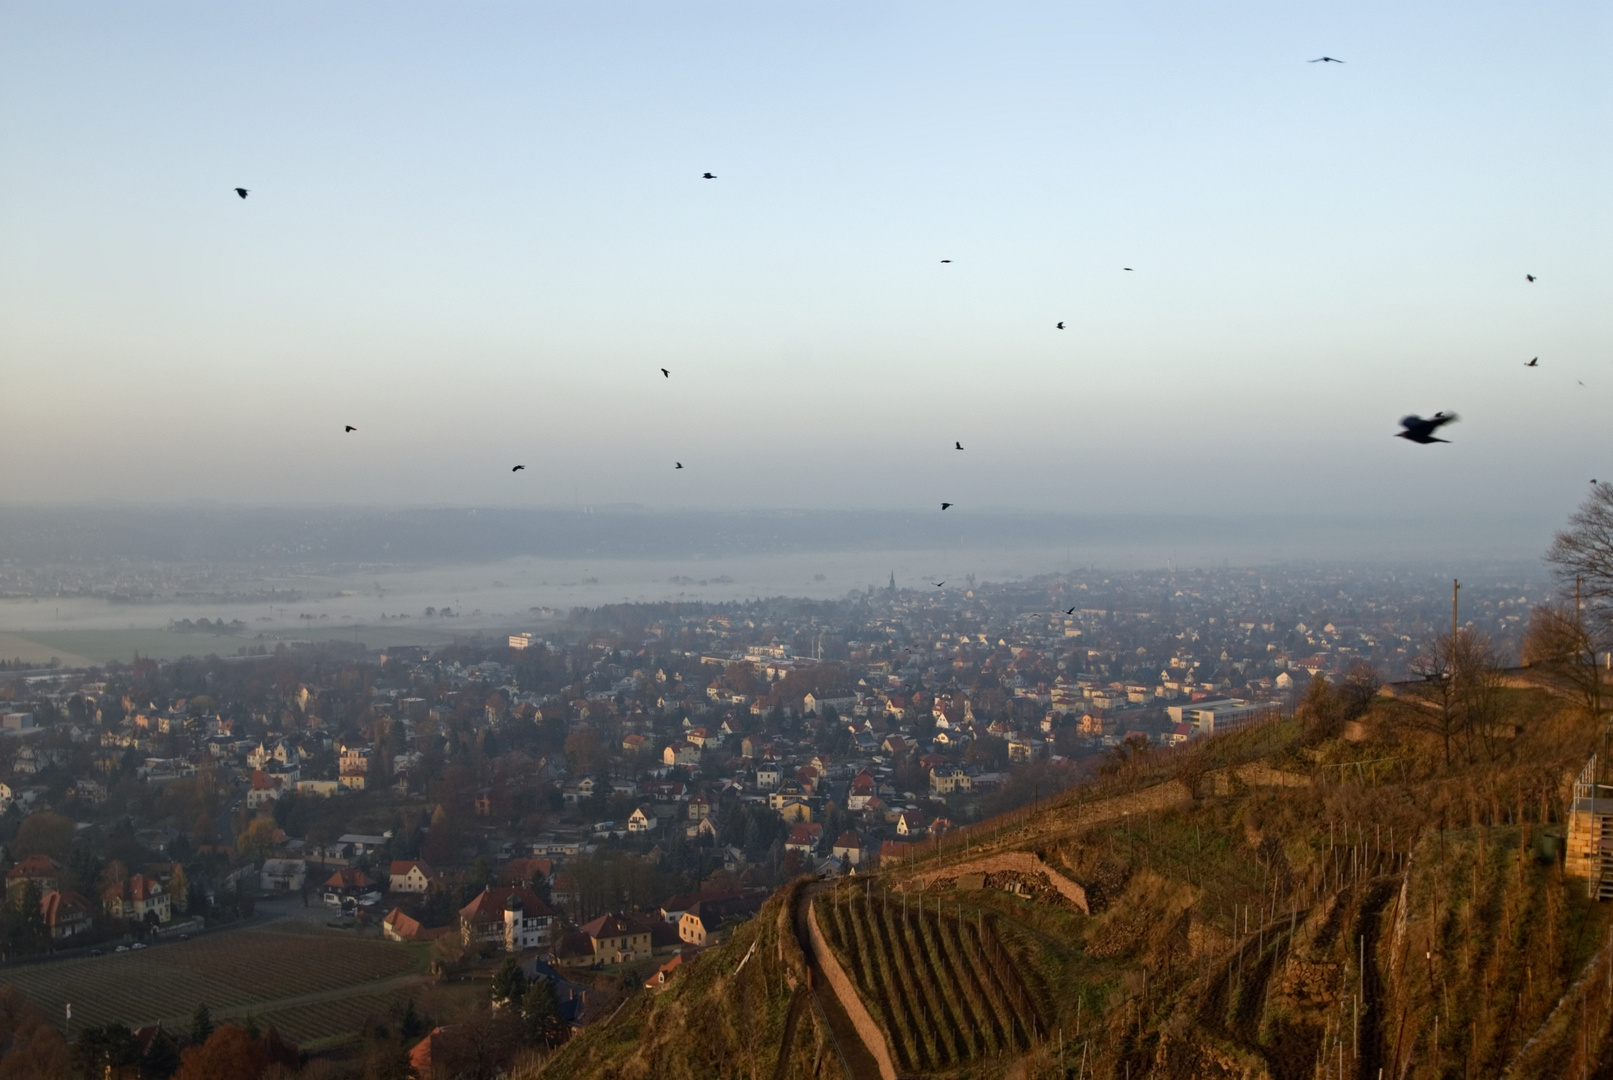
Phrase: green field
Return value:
(31, 651)
(312, 982)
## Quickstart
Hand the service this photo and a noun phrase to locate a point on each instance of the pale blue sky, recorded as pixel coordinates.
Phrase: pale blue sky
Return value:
(477, 231)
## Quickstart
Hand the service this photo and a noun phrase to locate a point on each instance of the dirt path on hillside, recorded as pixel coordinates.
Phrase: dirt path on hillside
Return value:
(792, 1020)
(860, 1062)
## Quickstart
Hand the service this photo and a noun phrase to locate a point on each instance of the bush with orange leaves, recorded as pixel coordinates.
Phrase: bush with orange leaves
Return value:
(228, 1054)
(29, 1046)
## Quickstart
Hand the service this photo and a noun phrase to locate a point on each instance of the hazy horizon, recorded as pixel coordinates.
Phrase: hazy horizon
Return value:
(102, 583)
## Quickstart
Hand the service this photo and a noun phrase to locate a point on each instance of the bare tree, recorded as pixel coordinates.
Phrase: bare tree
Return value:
(1582, 555)
(1431, 704)
(1459, 697)
(1480, 691)
(1561, 642)
(1359, 689)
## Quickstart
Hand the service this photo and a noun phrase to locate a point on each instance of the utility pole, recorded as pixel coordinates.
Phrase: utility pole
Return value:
(1456, 587)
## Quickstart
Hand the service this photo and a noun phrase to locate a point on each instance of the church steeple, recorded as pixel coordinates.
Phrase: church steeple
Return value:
(893, 581)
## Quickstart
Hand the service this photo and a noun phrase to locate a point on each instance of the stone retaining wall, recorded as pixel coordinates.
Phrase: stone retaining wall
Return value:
(1260, 774)
(1024, 862)
(846, 993)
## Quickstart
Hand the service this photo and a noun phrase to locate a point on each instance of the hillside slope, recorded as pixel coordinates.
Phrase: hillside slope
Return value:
(1280, 903)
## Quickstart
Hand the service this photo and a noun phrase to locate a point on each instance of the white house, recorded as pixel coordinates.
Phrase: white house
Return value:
(643, 820)
(409, 876)
(681, 753)
(848, 849)
(282, 875)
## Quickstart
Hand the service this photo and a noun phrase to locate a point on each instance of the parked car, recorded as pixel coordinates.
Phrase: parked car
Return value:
(138, 945)
(123, 948)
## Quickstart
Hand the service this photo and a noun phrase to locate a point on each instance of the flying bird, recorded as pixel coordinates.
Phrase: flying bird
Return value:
(946, 260)
(518, 468)
(678, 465)
(1061, 326)
(1324, 60)
(241, 191)
(957, 446)
(1125, 268)
(1070, 611)
(938, 584)
(1526, 277)
(708, 176)
(349, 427)
(1422, 431)
(666, 373)
(945, 505)
(1533, 363)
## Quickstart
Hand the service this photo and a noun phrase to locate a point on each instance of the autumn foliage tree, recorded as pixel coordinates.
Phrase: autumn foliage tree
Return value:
(29, 1046)
(228, 1054)
(44, 833)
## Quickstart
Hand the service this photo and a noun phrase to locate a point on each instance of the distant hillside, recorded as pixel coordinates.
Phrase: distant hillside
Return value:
(48, 535)
(1280, 902)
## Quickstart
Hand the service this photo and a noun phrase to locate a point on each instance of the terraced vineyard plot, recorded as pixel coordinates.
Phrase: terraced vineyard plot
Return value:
(304, 1024)
(943, 988)
(229, 971)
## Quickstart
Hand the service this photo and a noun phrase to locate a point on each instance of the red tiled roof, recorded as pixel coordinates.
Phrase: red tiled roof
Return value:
(574, 944)
(613, 926)
(489, 904)
(410, 929)
(521, 871)
(62, 907)
(35, 866)
(420, 1053)
(135, 887)
(349, 877)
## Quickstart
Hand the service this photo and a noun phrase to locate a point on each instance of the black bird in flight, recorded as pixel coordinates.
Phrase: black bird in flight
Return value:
(1533, 363)
(1071, 611)
(678, 465)
(1526, 277)
(241, 191)
(518, 468)
(945, 505)
(349, 427)
(1324, 60)
(946, 260)
(957, 446)
(938, 584)
(1126, 268)
(666, 373)
(1422, 431)
(708, 176)
(1061, 326)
